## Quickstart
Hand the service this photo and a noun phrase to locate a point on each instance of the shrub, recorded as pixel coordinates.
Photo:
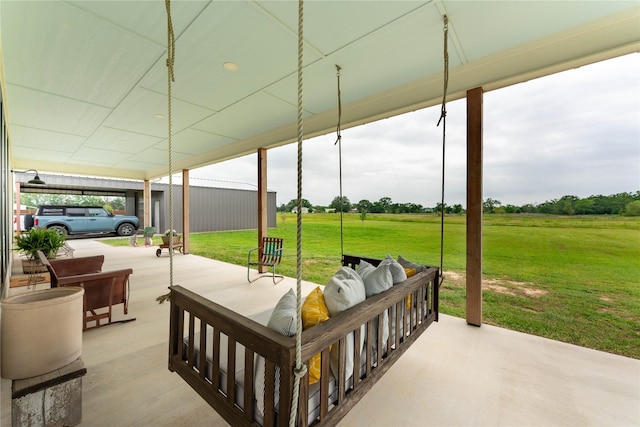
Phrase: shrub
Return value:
(47, 240)
(632, 208)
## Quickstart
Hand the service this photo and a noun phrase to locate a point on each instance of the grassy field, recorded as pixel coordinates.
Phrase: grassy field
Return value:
(573, 279)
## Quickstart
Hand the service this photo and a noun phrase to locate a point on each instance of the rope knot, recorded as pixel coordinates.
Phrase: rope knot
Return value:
(300, 371)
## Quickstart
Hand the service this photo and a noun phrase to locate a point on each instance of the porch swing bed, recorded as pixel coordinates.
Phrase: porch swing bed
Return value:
(229, 374)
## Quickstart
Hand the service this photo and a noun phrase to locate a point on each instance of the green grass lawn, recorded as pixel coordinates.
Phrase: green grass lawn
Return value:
(573, 279)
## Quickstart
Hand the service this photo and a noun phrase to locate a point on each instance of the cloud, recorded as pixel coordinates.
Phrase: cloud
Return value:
(572, 133)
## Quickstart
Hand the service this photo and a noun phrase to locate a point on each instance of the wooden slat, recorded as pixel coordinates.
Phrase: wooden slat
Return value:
(215, 365)
(324, 379)
(399, 306)
(231, 370)
(191, 350)
(248, 384)
(369, 353)
(379, 341)
(269, 392)
(287, 362)
(202, 362)
(303, 402)
(357, 338)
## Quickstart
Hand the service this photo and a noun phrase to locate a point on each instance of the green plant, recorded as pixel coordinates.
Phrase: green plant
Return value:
(170, 232)
(49, 241)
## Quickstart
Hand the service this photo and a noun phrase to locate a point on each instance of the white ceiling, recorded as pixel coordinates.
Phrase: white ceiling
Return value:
(83, 80)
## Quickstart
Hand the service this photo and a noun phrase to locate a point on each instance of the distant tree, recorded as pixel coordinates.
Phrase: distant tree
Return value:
(341, 205)
(457, 209)
(363, 206)
(489, 205)
(117, 203)
(363, 216)
(37, 199)
(583, 206)
(385, 202)
(511, 209)
(632, 208)
(294, 202)
(438, 207)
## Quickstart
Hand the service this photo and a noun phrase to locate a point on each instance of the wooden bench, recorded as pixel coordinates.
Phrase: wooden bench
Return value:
(103, 289)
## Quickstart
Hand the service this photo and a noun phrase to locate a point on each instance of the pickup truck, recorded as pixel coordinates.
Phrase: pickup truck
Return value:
(82, 220)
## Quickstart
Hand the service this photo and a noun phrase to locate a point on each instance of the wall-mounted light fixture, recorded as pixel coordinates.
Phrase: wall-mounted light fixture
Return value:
(36, 180)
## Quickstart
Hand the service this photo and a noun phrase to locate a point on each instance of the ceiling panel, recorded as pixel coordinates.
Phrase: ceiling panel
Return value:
(41, 110)
(138, 113)
(78, 57)
(249, 116)
(152, 157)
(121, 141)
(52, 154)
(141, 19)
(98, 156)
(225, 33)
(194, 142)
(523, 21)
(85, 80)
(40, 139)
(336, 24)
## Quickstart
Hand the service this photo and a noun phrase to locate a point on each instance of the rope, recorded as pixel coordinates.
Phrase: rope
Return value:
(300, 369)
(443, 119)
(171, 54)
(339, 142)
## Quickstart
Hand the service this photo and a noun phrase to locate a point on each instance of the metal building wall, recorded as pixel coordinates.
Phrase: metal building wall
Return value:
(217, 209)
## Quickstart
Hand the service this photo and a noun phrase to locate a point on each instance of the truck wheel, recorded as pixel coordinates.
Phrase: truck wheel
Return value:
(126, 229)
(28, 222)
(60, 229)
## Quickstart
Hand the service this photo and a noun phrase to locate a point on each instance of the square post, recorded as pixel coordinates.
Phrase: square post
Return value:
(185, 211)
(474, 207)
(262, 200)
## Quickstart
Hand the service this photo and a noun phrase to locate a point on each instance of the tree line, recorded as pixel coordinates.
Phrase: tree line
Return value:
(34, 200)
(614, 204)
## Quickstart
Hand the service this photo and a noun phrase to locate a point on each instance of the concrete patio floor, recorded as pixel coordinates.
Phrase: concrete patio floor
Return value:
(454, 375)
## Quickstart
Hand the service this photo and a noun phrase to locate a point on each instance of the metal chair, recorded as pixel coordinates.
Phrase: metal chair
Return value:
(269, 255)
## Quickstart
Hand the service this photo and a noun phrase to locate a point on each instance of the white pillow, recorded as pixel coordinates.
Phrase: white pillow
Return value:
(375, 280)
(284, 316)
(282, 320)
(397, 271)
(344, 290)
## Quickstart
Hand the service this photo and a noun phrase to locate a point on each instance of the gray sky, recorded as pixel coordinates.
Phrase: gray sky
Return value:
(573, 133)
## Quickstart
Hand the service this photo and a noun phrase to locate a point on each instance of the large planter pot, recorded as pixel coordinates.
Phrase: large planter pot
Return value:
(41, 331)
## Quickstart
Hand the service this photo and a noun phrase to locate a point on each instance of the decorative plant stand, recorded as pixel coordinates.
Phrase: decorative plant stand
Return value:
(31, 266)
(177, 244)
